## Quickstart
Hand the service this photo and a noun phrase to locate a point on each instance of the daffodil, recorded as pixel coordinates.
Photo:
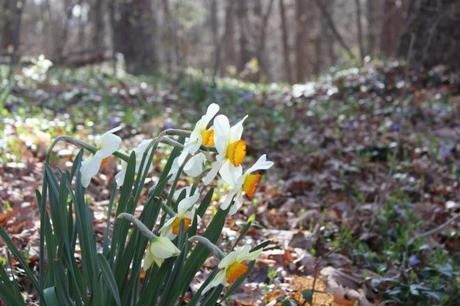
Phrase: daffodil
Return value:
(158, 250)
(193, 167)
(231, 150)
(246, 184)
(185, 214)
(201, 135)
(233, 266)
(107, 144)
(139, 151)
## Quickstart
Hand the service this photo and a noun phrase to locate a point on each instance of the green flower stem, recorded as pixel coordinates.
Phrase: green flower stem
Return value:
(80, 144)
(168, 210)
(208, 244)
(140, 226)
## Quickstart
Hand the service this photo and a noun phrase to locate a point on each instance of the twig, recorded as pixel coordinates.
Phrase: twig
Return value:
(336, 33)
(436, 229)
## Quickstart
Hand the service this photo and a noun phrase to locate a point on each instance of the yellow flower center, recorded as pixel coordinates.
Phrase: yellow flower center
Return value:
(176, 225)
(207, 137)
(250, 184)
(236, 152)
(235, 271)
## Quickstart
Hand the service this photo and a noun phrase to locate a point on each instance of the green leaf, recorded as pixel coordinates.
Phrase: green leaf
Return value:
(9, 290)
(50, 297)
(21, 260)
(109, 278)
(200, 253)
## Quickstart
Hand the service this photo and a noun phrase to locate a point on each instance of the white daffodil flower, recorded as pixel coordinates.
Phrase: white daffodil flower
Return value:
(193, 167)
(185, 213)
(246, 185)
(107, 143)
(158, 250)
(201, 134)
(231, 150)
(139, 151)
(232, 267)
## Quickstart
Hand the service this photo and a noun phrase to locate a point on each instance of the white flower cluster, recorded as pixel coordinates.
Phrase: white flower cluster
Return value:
(213, 133)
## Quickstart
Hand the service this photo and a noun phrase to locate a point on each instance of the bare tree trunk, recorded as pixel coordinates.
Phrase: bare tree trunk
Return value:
(98, 33)
(62, 36)
(431, 34)
(134, 34)
(326, 32)
(167, 35)
(81, 27)
(11, 17)
(333, 28)
(371, 18)
(302, 50)
(245, 53)
(229, 43)
(216, 40)
(11, 31)
(391, 27)
(359, 27)
(285, 42)
(261, 54)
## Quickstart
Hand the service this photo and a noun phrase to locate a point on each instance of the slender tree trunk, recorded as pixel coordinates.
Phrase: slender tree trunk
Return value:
(167, 35)
(285, 42)
(230, 57)
(11, 20)
(391, 27)
(302, 50)
(261, 49)
(359, 27)
(134, 35)
(98, 33)
(431, 34)
(371, 19)
(326, 32)
(245, 53)
(216, 41)
(328, 18)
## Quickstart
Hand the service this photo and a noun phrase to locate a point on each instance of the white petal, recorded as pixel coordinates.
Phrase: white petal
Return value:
(158, 261)
(261, 164)
(212, 173)
(228, 260)
(216, 281)
(148, 260)
(177, 193)
(228, 199)
(140, 149)
(222, 133)
(230, 173)
(187, 203)
(167, 226)
(194, 166)
(212, 110)
(237, 204)
(237, 130)
(109, 143)
(120, 176)
(162, 247)
(90, 168)
(174, 169)
(115, 129)
(246, 255)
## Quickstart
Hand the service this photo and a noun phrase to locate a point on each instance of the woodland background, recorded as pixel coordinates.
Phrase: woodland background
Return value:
(356, 101)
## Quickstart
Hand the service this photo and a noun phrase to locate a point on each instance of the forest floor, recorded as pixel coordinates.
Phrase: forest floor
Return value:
(361, 202)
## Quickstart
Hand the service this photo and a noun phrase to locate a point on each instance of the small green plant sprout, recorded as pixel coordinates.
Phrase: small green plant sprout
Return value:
(151, 257)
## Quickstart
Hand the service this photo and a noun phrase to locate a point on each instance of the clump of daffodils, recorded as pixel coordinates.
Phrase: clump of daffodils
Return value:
(214, 152)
